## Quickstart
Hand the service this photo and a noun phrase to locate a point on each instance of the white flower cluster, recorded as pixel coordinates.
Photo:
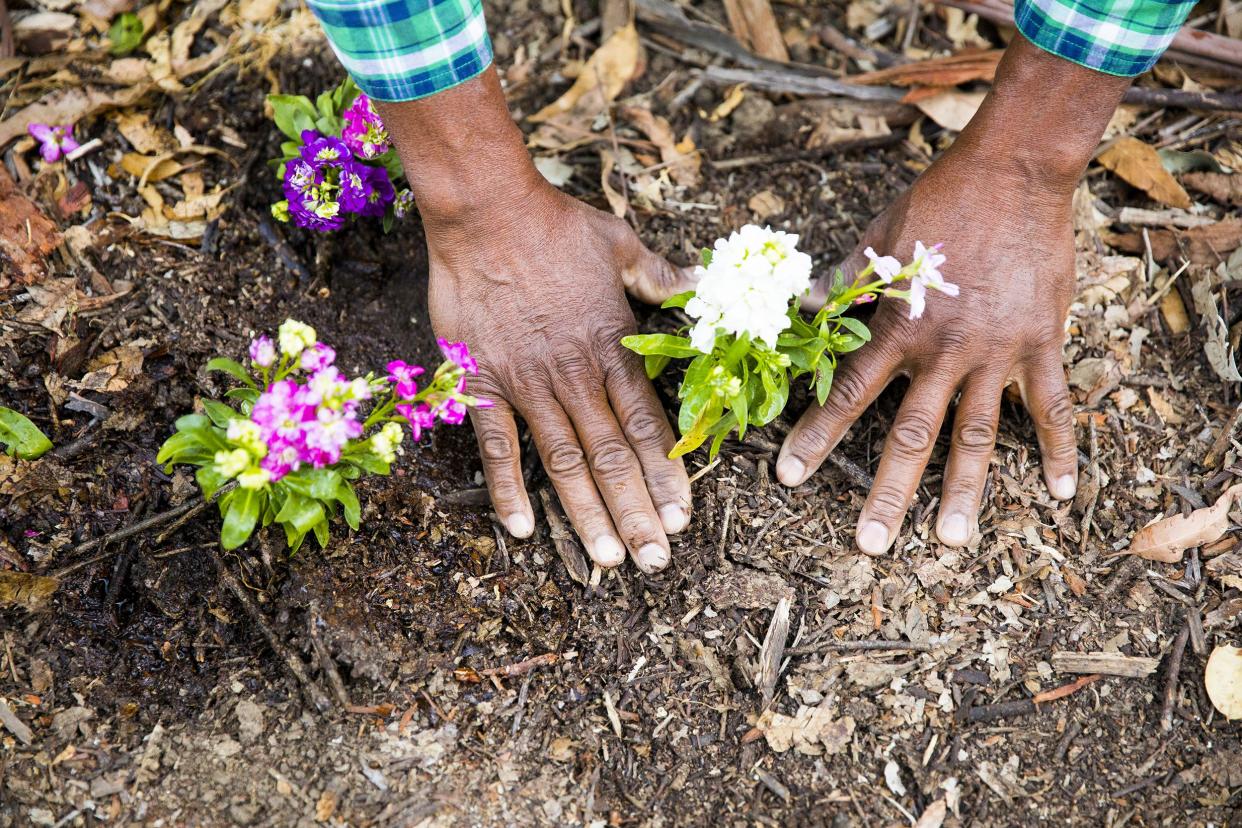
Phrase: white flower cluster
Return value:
(747, 286)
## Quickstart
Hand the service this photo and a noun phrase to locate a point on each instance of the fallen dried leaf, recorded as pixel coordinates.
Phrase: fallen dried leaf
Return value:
(1227, 189)
(765, 205)
(1139, 164)
(146, 137)
(682, 159)
(1223, 679)
(609, 69)
(27, 236)
(951, 109)
(1206, 245)
(812, 731)
(22, 589)
(1166, 540)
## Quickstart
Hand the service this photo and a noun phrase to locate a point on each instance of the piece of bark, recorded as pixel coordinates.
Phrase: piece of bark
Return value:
(941, 71)
(1208, 245)
(563, 540)
(27, 236)
(15, 725)
(1227, 189)
(773, 651)
(613, 15)
(754, 24)
(1108, 664)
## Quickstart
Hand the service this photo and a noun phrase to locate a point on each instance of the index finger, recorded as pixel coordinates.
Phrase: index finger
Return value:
(819, 430)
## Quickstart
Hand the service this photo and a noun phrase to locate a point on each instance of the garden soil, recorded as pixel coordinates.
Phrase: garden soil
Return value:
(152, 696)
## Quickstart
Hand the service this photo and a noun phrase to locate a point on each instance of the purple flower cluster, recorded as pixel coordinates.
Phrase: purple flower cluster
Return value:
(448, 401)
(326, 183)
(308, 424)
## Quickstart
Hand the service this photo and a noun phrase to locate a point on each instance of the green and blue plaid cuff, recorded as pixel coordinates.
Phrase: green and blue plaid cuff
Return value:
(1117, 37)
(402, 50)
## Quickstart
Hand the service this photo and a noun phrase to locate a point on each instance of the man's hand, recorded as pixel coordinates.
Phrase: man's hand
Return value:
(534, 281)
(1000, 201)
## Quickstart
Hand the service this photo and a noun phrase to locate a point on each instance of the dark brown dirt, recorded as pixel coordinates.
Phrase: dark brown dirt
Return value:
(155, 700)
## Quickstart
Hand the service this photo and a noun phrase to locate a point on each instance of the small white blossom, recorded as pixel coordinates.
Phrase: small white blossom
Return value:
(255, 478)
(248, 435)
(886, 267)
(747, 286)
(929, 260)
(232, 463)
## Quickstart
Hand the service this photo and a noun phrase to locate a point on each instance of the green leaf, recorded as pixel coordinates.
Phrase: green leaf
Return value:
(300, 512)
(125, 34)
(248, 397)
(240, 515)
(856, 327)
(349, 505)
(696, 374)
(220, 413)
(329, 126)
(678, 301)
(21, 438)
(391, 162)
(193, 422)
(371, 463)
(844, 343)
(321, 533)
(285, 112)
(233, 368)
(823, 380)
(209, 480)
(654, 364)
(660, 344)
(326, 104)
(389, 219)
(705, 256)
(776, 386)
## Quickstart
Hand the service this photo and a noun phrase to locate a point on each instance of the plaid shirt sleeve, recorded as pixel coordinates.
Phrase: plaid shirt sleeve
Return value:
(401, 50)
(1117, 37)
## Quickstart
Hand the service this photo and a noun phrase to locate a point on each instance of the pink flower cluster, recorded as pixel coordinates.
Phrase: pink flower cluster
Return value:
(448, 405)
(308, 424)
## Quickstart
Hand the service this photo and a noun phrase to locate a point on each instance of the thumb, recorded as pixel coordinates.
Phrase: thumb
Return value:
(652, 279)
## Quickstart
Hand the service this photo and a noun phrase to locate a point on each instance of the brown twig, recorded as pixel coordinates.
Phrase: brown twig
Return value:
(1065, 689)
(864, 645)
(326, 663)
(1170, 686)
(563, 540)
(521, 667)
(313, 691)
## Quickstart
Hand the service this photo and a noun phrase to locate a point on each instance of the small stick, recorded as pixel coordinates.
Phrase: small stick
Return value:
(1170, 687)
(511, 670)
(864, 645)
(326, 663)
(856, 473)
(1066, 689)
(563, 541)
(1001, 710)
(294, 664)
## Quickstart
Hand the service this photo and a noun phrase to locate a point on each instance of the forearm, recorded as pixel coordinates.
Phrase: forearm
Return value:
(1044, 116)
(461, 150)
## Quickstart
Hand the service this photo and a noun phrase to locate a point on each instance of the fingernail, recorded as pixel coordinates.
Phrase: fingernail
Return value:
(1063, 487)
(790, 470)
(954, 530)
(652, 557)
(873, 538)
(520, 525)
(674, 518)
(607, 551)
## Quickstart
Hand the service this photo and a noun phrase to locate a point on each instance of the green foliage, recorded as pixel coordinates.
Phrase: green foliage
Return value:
(20, 437)
(125, 34)
(303, 502)
(744, 383)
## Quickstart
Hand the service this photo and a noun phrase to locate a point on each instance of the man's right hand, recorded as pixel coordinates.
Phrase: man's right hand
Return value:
(534, 282)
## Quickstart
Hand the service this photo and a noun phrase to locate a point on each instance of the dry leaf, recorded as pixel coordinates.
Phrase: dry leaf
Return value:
(733, 99)
(150, 168)
(145, 136)
(112, 371)
(1139, 165)
(682, 159)
(1166, 540)
(556, 171)
(67, 106)
(812, 731)
(25, 590)
(1227, 189)
(1223, 680)
(1216, 345)
(941, 71)
(1207, 245)
(766, 204)
(258, 11)
(609, 69)
(962, 28)
(26, 236)
(1163, 408)
(1173, 309)
(616, 201)
(952, 109)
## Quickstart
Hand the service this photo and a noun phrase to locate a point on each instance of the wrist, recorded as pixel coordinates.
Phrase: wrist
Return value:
(1043, 119)
(463, 155)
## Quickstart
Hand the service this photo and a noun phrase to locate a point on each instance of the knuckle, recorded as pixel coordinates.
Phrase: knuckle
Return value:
(887, 503)
(848, 395)
(812, 439)
(1056, 411)
(643, 427)
(611, 459)
(976, 434)
(575, 366)
(636, 528)
(496, 446)
(914, 433)
(564, 458)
